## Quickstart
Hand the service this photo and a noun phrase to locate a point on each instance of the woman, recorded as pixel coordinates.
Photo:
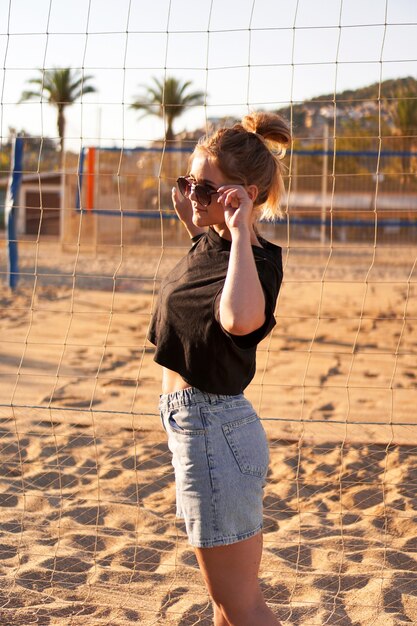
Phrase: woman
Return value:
(214, 308)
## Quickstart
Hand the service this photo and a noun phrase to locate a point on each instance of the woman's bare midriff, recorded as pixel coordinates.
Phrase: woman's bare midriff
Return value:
(172, 381)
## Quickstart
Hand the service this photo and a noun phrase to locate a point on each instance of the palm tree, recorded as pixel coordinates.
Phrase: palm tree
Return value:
(62, 87)
(168, 98)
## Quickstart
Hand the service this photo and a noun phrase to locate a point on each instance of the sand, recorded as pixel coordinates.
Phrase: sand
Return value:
(87, 502)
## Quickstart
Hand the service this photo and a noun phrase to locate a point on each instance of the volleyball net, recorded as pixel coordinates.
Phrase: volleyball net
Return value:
(87, 502)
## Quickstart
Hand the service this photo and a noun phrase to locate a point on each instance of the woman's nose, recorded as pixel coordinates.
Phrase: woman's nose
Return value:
(192, 195)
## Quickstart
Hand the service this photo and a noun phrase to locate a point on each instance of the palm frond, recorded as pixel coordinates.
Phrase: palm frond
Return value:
(168, 98)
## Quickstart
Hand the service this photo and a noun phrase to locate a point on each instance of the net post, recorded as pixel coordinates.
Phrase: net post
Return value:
(324, 184)
(80, 176)
(11, 207)
(91, 164)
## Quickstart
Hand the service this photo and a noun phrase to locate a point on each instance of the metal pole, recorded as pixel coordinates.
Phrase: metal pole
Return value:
(324, 184)
(11, 207)
(63, 198)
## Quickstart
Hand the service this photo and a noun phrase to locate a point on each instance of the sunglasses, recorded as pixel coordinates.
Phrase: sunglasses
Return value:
(202, 193)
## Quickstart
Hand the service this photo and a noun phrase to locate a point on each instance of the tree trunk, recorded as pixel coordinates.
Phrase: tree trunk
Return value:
(61, 129)
(169, 132)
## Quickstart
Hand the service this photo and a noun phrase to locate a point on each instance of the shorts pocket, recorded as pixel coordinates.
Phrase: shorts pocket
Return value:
(247, 440)
(184, 422)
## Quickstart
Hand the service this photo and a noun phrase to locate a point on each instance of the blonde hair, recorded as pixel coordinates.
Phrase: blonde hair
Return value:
(250, 153)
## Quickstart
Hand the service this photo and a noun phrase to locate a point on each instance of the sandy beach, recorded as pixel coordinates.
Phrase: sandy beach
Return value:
(87, 502)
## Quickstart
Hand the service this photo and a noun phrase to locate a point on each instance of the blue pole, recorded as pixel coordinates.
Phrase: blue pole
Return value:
(11, 211)
(80, 179)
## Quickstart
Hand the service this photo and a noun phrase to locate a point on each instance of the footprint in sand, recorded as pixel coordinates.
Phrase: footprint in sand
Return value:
(188, 558)
(52, 480)
(336, 584)
(200, 614)
(295, 556)
(67, 570)
(401, 561)
(403, 586)
(142, 558)
(77, 402)
(85, 515)
(171, 598)
(88, 543)
(7, 551)
(35, 580)
(332, 371)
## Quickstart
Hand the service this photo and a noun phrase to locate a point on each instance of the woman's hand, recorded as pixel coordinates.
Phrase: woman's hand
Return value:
(238, 205)
(182, 207)
(184, 211)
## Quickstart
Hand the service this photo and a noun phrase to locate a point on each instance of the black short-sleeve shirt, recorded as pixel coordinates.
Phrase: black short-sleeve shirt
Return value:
(185, 326)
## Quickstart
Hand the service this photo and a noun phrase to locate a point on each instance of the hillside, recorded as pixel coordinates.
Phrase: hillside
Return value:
(392, 88)
(359, 105)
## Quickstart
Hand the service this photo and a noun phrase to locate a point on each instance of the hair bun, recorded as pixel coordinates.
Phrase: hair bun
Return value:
(278, 149)
(270, 127)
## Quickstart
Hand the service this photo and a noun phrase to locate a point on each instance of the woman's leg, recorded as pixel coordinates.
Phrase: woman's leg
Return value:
(231, 575)
(219, 618)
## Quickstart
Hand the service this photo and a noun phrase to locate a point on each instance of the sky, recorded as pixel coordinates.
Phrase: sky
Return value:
(245, 54)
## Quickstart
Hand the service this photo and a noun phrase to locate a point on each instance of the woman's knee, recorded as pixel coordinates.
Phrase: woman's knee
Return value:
(237, 607)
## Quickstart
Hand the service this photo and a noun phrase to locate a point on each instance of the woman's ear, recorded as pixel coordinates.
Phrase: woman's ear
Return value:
(252, 191)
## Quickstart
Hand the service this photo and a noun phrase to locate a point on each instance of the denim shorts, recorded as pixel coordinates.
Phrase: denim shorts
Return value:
(220, 458)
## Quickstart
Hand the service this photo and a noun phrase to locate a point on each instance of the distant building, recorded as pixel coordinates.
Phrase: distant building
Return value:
(39, 203)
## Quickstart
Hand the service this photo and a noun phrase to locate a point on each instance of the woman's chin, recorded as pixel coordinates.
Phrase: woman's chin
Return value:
(199, 219)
